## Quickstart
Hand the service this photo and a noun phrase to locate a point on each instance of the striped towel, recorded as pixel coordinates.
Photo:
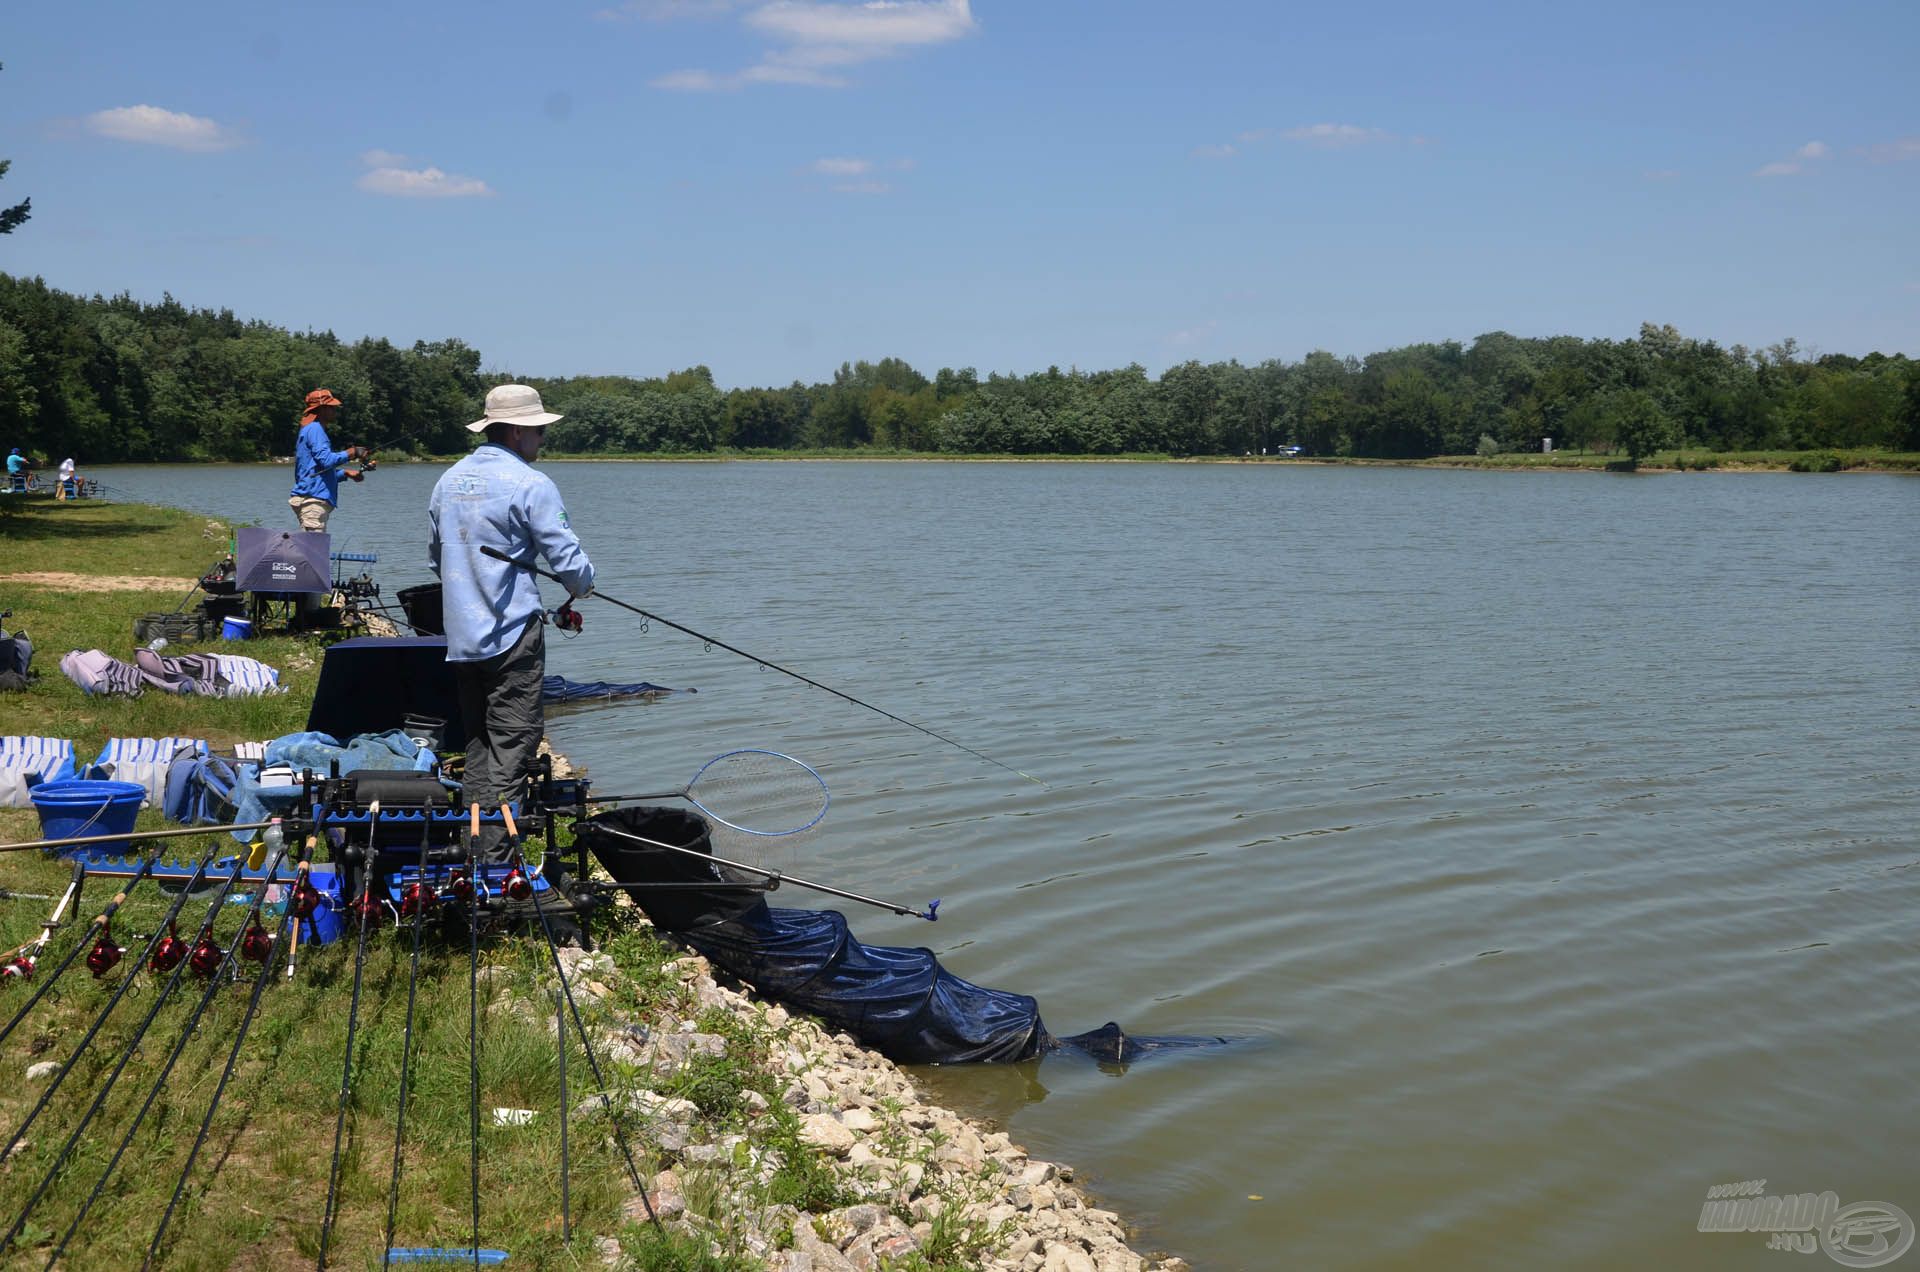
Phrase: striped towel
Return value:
(247, 677)
(28, 761)
(97, 672)
(145, 760)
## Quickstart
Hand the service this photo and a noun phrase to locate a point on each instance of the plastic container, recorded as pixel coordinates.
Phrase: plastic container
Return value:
(236, 628)
(80, 806)
(423, 609)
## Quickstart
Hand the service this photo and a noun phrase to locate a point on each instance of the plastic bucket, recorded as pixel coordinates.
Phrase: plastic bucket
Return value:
(235, 628)
(423, 609)
(78, 806)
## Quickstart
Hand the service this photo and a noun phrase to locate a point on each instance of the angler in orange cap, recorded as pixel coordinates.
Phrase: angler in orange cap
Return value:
(317, 467)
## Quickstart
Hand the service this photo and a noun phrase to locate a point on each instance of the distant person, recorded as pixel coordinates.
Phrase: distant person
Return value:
(18, 466)
(66, 479)
(496, 639)
(317, 467)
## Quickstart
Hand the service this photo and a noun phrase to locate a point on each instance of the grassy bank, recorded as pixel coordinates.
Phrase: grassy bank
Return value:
(722, 1114)
(1868, 460)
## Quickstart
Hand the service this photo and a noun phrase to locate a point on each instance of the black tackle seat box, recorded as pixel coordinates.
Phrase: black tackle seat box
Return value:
(371, 684)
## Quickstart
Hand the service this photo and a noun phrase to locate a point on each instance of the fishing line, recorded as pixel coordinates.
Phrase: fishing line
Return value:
(422, 896)
(101, 921)
(126, 1053)
(179, 1048)
(240, 1036)
(166, 925)
(531, 568)
(362, 909)
(586, 1045)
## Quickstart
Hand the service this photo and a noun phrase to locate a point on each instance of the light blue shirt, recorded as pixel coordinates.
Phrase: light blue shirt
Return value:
(495, 499)
(316, 465)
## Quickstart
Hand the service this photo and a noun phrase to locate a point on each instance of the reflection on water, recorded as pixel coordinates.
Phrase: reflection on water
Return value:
(1556, 830)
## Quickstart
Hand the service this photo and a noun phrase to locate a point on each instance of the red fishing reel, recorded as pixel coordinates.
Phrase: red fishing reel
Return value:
(366, 910)
(460, 886)
(257, 943)
(414, 898)
(516, 885)
(206, 957)
(305, 899)
(168, 953)
(104, 956)
(567, 619)
(20, 968)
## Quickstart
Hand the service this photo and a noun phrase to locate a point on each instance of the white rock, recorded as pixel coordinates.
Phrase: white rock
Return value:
(45, 1069)
(825, 1131)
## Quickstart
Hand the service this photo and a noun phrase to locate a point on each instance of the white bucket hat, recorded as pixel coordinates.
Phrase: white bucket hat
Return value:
(514, 404)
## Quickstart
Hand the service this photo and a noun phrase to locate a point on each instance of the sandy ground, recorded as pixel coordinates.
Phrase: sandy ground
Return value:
(100, 583)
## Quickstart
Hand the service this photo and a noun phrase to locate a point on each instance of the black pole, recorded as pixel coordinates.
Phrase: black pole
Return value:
(406, 1043)
(126, 1053)
(179, 1047)
(363, 909)
(785, 671)
(233, 1054)
(166, 924)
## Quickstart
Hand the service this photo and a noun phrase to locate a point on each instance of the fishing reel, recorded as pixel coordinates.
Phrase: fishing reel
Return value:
(567, 619)
(415, 898)
(257, 943)
(105, 954)
(305, 899)
(169, 952)
(19, 968)
(207, 956)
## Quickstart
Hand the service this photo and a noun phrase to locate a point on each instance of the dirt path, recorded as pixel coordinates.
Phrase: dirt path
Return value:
(100, 583)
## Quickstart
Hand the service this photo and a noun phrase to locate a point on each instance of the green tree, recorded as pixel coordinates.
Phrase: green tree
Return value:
(1637, 424)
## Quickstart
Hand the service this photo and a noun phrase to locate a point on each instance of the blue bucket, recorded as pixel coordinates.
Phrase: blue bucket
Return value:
(77, 807)
(235, 629)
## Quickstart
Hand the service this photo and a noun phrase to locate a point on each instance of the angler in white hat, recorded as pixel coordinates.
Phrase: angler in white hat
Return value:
(495, 498)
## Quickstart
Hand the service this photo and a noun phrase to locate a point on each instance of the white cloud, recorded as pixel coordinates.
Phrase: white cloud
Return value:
(1811, 152)
(812, 36)
(1334, 136)
(389, 178)
(153, 126)
(1221, 151)
(842, 167)
(1895, 151)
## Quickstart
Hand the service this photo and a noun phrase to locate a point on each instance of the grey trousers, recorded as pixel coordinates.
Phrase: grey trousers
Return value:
(500, 705)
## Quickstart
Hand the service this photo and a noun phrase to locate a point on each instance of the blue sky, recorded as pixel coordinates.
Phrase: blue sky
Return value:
(771, 187)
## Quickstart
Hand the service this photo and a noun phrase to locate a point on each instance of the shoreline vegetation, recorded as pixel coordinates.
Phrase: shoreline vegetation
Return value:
(762, 1142)
(114, 379)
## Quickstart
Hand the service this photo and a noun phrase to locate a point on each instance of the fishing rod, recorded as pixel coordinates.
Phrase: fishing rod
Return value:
(252, 943)
(774, 878)
(178, 969)
(27, 957)
(531, 568)
(128, 835)
(233, 1054)
(363, 909)
(102, 952)
(473, 1018)
(153, 942)
(586, 1045)
(418, 895)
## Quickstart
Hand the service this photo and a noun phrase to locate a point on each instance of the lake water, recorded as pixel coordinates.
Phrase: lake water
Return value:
(1551, 837)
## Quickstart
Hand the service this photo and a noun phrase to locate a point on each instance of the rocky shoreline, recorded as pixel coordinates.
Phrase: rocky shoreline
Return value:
(913, 1184)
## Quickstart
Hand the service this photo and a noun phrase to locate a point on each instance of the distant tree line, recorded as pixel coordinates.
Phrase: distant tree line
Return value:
(113, 378)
